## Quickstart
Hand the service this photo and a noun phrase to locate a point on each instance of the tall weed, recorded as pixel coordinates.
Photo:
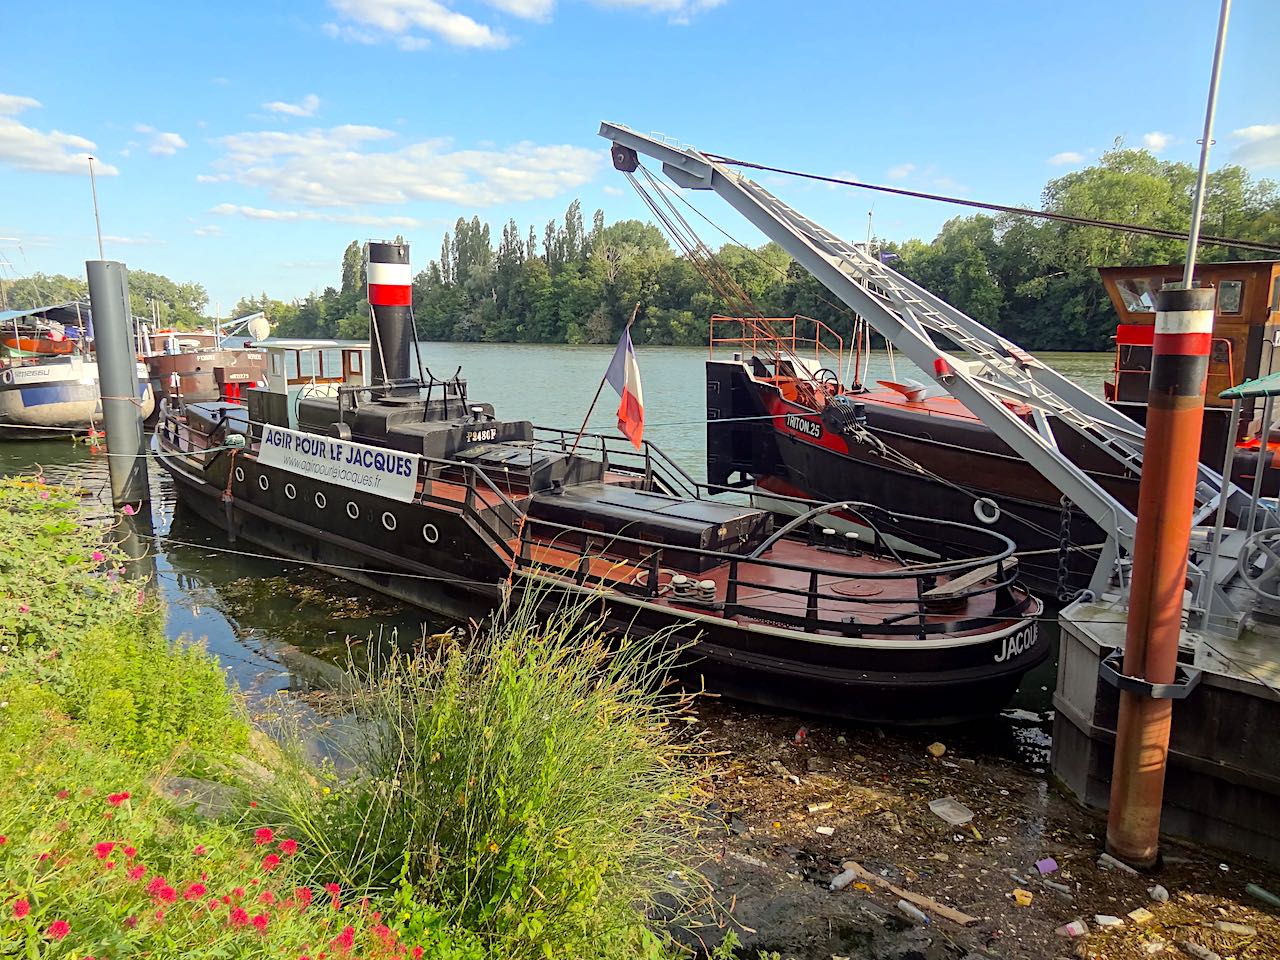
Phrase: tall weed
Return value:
(524, 782)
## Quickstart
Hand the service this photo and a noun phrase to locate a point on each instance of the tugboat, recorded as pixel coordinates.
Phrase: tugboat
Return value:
(406, 485)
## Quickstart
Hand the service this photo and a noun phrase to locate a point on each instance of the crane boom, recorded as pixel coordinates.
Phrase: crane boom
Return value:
(908, 316)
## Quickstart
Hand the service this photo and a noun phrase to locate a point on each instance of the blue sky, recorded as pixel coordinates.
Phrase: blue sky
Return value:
(243, 145)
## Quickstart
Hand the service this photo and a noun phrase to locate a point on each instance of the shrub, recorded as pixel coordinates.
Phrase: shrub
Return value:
(522, 782)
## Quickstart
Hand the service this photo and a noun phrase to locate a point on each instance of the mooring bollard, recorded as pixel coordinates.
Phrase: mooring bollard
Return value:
(118, 381)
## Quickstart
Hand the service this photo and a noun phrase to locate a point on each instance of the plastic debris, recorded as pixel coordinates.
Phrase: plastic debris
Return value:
(1224, 868)
(747, 859)
(1076, 928)
(974, 830)
(842, 880)
(936, 749)
(1154, 946)
(1106, 920)
(1199, 952)
(1141, 915)
(801, 734)
(1242, 929)
(951, 810)
(819, 807)
(913, 912)
(1061, 888)
(1022, 897)
(826, 831)
(1266, 896)
(1106, 860)
(1158, 893)
(1047, 865)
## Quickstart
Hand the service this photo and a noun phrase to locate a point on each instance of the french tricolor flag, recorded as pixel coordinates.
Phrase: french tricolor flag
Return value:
(624, 376)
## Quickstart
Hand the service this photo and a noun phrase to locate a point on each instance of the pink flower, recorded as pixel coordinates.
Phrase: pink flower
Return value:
(194, 892)
(103, 850)
(63, 794)
(288, 847)
(260, 921)
(98, 556)
(156, 885)
(24, 608)
(128, 510)
(58, 929)
(115, 799)
(263, 836)
(270, 862)
(200, 850)
(267, 897)
(131, 922)
(130, 852)
(239, 917)
(21, 908)
(332, 889)
(3, 839)
(166, 894)
(417, 953)
(44, 495)
(303, 895)
(213, 904)
(345, 940)
(136, 873)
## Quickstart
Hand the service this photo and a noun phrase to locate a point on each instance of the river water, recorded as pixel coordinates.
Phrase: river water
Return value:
(280, 626)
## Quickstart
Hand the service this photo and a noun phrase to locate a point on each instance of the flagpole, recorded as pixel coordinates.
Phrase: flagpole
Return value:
(599, 390)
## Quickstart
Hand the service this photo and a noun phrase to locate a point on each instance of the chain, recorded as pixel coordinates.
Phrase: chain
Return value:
(1064, 548)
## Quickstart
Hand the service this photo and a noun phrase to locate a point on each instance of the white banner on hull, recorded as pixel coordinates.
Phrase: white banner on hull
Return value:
(357, 466)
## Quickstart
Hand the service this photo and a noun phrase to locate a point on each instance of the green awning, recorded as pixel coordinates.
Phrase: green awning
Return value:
(1268, 386)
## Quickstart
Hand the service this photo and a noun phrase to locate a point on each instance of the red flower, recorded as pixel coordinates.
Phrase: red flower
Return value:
(166, 894)
(270, 862)
(159, 915)
(288, 847)
(155, 886)
(21, 908)
(238, 892)
(345, 940)
(43, 857)
(303, 895)
(194, 892)
(130, 852)
(199, 851)
(253, 803)
(103, 850)
(213, 904)
(58, 929)
(260, 921)
(239, 917)
(130, 922)
(63, 794)
(137, 873)
(267, 897)
(332, 889)
(263, 836)
(3, 839)
(115, 799)
(417, 953)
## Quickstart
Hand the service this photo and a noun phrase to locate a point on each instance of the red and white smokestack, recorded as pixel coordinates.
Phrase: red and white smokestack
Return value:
(391, 323)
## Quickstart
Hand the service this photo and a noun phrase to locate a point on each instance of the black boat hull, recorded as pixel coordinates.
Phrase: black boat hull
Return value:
(453, 572)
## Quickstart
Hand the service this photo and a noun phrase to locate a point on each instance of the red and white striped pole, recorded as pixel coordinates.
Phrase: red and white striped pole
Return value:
(391, 323)
(1166, 502)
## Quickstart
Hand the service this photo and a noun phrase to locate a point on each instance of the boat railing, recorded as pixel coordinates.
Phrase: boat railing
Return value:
(619, 455)
(937, 604)
(810, 345)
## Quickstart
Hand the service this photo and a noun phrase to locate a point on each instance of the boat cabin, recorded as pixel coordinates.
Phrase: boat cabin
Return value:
(1246, 333)
(299, 369)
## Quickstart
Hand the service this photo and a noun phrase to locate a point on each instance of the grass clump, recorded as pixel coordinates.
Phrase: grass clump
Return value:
(523, 782)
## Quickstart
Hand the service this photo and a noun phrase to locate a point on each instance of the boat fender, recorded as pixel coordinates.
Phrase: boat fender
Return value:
(986, 510)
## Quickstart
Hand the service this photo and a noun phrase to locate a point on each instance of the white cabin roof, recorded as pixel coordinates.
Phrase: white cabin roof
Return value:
(274, 343)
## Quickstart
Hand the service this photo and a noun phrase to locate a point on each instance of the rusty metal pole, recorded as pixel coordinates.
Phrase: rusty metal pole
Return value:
(1166, 501)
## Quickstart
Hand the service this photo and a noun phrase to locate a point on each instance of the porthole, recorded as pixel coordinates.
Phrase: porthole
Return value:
(321, 502)
(352, 510)
(389, 520)
(239, 475)
(430, 533)
(263, 482)
(290, 491)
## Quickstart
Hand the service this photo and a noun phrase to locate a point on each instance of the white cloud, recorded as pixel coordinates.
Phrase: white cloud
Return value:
(146, 240)
(1155, 141)
(613, 191)
(333, 168)
(288, 216)
(1066, 157)
(1260, 146)
(404, 22)
(527, 9)
(307, 107)
(53, 152)
(679, 11)
(159, 143)
(901, 171)
(212, 177)
(209, 230)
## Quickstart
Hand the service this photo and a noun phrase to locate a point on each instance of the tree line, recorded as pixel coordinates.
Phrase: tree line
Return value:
(1035, 281)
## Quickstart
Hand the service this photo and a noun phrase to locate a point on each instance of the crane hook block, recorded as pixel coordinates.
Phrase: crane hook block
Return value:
(625, 159)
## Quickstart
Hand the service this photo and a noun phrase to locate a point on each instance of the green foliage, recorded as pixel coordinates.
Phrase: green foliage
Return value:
(522, 783)
(173, 304)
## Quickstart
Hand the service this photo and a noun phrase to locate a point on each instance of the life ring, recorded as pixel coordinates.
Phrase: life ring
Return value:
(986, 510)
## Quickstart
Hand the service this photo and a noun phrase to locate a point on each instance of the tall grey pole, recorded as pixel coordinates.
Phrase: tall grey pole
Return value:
(118, 381)
(1197, 206)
